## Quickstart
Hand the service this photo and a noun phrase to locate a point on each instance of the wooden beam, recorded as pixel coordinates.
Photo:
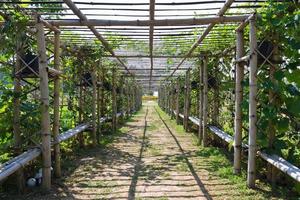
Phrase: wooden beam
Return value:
(148, 56)
(160, 22)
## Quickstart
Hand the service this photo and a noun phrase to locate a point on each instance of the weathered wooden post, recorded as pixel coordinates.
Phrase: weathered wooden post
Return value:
(57, 168)
(45, 117)
(239, 71)
(114, 101)
(252, 103)
(94, 108)
(186, 101)
(205, 102)
(200, 128)
(17, 115)
(177, 100)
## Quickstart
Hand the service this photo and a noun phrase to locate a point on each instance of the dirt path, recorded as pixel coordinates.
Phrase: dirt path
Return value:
(149, 160)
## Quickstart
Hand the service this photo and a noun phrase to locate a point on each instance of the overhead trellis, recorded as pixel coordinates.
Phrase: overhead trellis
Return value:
(161, 41)
(156, 25)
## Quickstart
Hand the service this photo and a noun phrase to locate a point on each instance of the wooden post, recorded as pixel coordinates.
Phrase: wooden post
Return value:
(114, 102)
(45, 118)
(102, 100)
(200, 128)
(94, 108)
(177, 100)
(239, 71)
(186, 100)
(169, 97)
(121, 95)
(272, 171)
(57, 168)
(98, 101)
(205, 102)
(80, 113)
(252, 104)
(216, 103)
(128, 99)
(17, 115)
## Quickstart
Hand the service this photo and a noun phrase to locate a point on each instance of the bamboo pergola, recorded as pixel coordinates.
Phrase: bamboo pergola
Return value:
(152, 25)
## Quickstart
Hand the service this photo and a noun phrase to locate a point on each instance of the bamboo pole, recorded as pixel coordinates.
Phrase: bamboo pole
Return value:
(102, 100)
(94, 108)
(200, 128)
(173, 99)
(121, 95)
(239, 75)
(44, 88)
(216, 103)
(205, 102)
(128, 99)
(252, 104)
(17, 115)
(57, 168)
(98, 101)
(80, 112)
(158, 22)
(177, 100)
(114, 102)
(271, 174)
(186, 100)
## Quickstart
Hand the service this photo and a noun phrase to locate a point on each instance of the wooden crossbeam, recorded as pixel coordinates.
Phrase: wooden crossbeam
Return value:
(160, 22)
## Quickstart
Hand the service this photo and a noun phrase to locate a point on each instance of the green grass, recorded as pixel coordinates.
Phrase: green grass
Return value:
(215, 161)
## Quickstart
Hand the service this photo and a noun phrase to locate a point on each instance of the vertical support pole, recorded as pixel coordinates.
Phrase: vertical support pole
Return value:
(205, 102)
(128, 99)
(121, 97)
(114, 102)
(102, 100)
(45, 117)
(186, 100)
(94, 108)
(252, 104)
(57, 168)
(200, 129)
(216, 103)
(239, 71)
(80, 113)
(177, 100)
(272, 171)
(17, 115)
(169, 92)
(98, 101)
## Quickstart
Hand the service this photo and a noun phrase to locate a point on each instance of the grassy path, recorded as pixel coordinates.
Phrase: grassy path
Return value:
(150, 158)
